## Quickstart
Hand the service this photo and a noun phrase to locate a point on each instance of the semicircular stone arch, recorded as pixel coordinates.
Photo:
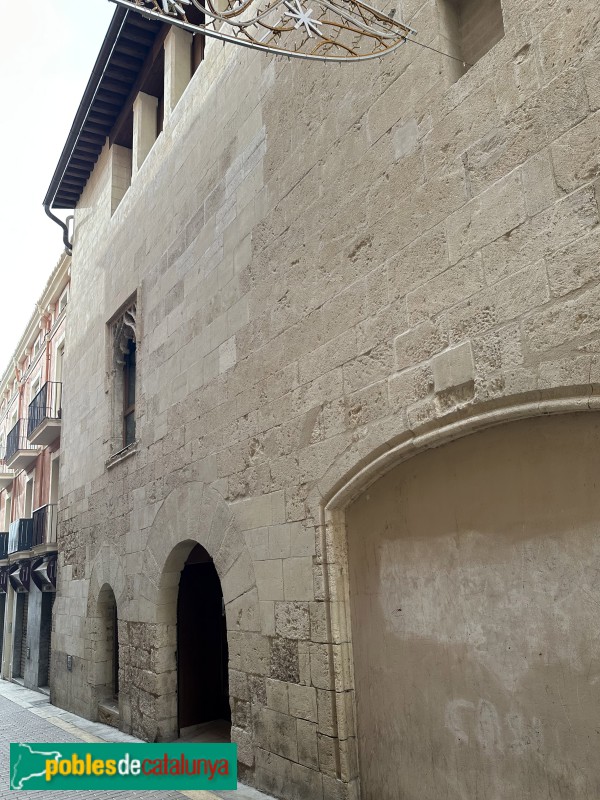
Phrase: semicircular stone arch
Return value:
(107, 568)
(108, 587)
(193, 513)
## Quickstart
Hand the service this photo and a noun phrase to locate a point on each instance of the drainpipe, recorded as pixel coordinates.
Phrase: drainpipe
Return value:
(64, 226)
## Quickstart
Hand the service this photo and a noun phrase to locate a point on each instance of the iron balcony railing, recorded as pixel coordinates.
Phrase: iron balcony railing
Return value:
(3, 545)
(3, 468)
(17, 440)
(20, 535)
(47, 404)
(44, 525)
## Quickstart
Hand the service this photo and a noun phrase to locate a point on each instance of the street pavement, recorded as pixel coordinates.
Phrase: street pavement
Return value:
(27, 716)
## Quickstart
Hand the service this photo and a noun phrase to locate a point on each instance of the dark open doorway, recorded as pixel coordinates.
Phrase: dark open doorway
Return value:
(202, 654)
(20, 635)
(45, 639)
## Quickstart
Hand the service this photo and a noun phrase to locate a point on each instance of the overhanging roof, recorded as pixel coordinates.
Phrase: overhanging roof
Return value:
(128, 42)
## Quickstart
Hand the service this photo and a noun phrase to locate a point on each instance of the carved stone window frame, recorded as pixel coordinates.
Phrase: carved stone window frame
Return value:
(122, 328)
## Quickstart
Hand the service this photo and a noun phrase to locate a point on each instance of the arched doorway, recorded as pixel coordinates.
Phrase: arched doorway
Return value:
(105, 656)
(474, 595)
(202, 654)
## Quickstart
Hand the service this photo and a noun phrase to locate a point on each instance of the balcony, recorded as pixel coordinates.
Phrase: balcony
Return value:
(7, 475)
(3, 546)
(19, 452)
(44, 525)
(44, 421)
(20, 535)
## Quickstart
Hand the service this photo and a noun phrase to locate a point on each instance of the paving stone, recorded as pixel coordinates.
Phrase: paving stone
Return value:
(27, 716)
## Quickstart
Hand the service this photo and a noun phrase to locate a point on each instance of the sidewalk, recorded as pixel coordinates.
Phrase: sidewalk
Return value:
(29, 716)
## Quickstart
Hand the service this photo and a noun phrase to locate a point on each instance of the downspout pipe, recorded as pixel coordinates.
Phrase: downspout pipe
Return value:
(64, 226)
(102, 62)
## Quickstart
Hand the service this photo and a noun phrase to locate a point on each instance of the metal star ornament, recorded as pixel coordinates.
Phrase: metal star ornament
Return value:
(330, 30)
(303, 18)
(170, 6)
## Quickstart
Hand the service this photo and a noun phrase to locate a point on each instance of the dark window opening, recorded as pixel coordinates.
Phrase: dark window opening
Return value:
(129, 380)
(160, 114)
(197, 51)
(154, 85)
(196, 17)
(124, 135)
(469, 29)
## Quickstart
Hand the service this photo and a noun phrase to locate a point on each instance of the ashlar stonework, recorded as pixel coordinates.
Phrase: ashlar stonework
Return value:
(337, 269)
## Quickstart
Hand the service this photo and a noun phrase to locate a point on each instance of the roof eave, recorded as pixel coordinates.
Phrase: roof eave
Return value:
(100, 65)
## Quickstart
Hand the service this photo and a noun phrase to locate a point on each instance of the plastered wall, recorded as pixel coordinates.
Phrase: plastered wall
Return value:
(473, 595)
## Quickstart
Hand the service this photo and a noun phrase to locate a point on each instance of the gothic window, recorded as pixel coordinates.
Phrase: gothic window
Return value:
(123, 374)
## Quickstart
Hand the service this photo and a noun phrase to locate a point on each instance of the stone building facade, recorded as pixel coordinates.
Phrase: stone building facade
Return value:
(359, 306)
(30, 426)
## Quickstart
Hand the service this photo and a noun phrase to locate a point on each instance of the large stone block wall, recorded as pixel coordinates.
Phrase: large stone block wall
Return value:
(328, 260)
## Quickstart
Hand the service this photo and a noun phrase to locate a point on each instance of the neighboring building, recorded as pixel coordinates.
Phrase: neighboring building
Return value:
(30, 425)
(330, 440)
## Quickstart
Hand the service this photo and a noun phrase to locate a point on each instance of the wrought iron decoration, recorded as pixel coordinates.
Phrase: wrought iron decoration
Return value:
(322, 30)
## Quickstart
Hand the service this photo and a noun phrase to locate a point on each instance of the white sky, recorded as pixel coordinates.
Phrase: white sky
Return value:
(45, 62)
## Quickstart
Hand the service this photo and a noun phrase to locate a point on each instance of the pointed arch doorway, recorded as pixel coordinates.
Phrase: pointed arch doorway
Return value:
(203, 709)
